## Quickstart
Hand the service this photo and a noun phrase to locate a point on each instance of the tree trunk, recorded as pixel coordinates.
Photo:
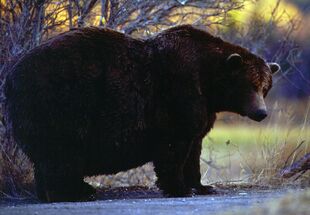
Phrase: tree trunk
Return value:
(38, 24)
(70, 14)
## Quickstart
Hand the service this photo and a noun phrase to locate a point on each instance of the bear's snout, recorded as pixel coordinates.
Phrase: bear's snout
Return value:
(257, 109)
(258, 115)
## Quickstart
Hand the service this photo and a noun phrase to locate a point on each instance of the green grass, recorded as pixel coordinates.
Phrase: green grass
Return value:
(252, 152)
(249, 136)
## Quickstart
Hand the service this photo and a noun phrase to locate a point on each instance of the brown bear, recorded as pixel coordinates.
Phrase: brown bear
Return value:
(95, 101)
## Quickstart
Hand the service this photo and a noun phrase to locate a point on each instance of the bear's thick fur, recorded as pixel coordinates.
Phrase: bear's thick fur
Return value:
(94, 101)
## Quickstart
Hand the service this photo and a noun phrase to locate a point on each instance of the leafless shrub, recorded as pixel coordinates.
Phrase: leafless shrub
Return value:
(258, 33)
(132, 16)
(16, 172)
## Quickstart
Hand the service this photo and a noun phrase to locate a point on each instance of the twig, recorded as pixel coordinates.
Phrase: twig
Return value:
(301, 165)
(300, 144)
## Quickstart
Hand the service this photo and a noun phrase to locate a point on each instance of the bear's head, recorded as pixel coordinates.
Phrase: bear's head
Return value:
(230, 77)
(247, 79)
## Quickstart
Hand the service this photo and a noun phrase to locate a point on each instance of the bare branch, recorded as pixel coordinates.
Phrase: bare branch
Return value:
(300, 166)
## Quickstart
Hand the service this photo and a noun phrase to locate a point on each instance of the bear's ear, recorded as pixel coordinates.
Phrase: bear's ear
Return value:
(234, 61)
(274, 67)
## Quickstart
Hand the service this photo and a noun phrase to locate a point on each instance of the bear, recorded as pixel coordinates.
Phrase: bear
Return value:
(96, 101)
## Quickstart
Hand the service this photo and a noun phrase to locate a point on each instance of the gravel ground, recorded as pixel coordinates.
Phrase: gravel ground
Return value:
(138, 200)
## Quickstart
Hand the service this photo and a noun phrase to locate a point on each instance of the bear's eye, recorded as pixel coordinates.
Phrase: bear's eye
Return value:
(266, 90)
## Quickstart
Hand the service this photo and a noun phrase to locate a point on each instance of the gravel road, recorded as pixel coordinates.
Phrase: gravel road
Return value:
(146, 202)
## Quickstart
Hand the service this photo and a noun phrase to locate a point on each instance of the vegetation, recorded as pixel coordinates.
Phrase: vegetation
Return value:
(247, 152)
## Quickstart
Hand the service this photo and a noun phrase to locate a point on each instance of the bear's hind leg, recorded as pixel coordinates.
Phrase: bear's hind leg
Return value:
(60, 183)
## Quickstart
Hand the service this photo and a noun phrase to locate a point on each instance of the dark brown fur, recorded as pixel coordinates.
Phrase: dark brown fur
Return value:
(94, 101)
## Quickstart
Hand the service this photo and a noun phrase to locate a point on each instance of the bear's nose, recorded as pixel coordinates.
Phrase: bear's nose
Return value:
(259, 115)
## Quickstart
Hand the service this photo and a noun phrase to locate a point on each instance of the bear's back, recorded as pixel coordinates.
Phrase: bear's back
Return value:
(81, 83)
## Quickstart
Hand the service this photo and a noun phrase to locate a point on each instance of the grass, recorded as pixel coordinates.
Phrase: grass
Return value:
(16, 172)
(243, 151)
(247, 136)
(239, 152)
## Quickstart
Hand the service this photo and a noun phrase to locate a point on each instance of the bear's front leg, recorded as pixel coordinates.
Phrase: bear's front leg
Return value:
(192, 175)
(169, 164)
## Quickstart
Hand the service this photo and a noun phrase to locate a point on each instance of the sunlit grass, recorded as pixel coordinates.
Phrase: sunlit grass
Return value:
(256, 152)
(249, 135)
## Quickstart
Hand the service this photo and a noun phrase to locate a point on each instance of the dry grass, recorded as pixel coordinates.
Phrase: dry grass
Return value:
(16, 172)
(246, 152)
